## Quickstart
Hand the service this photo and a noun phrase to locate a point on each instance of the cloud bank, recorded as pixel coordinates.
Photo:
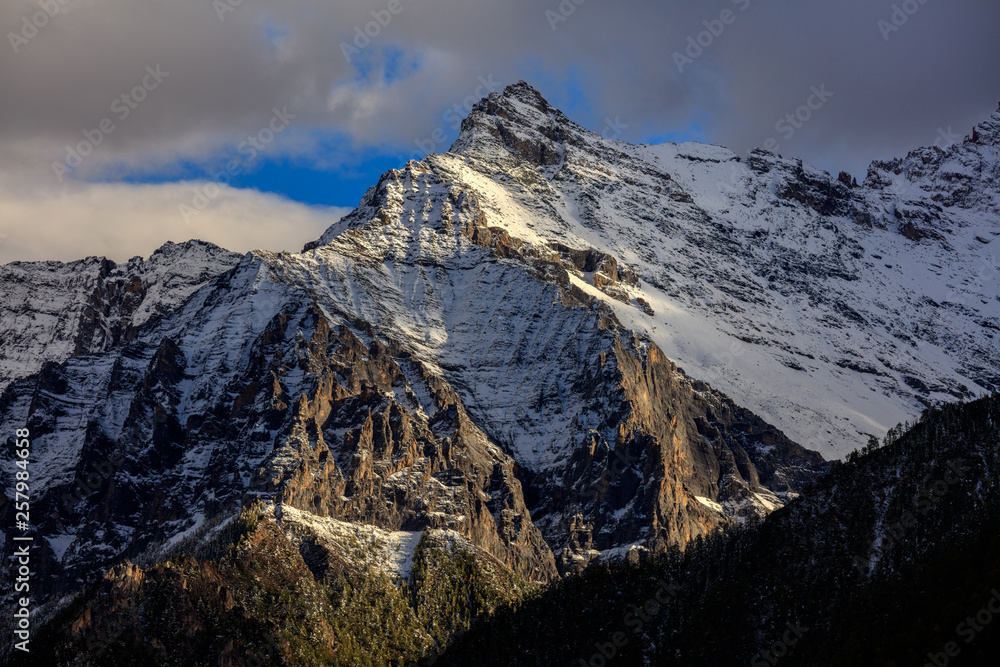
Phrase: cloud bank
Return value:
(385, 75)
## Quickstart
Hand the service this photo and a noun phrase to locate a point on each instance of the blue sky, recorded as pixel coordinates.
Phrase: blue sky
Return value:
(314, 181)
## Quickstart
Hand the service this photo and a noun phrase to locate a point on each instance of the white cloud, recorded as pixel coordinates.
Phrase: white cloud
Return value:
(120, 221)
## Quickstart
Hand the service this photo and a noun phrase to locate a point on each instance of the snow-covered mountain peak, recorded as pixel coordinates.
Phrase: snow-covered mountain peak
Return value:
(941, 194)
(491, 343)
(520, 122)
(811, 300)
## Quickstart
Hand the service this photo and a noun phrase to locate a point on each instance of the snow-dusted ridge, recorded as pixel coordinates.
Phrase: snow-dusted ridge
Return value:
(833, 311)
(51, 311)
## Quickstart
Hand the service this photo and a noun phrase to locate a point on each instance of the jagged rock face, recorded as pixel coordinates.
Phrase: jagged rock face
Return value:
(365, 449)
(421, 369)
(953, 183)
(166, 433)
(52, 310)
(987, 133)
(682, 456)
(833, 311)
(520, 123)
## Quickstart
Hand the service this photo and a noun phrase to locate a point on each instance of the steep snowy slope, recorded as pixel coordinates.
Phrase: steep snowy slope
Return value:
(50, 310)
(831, 310)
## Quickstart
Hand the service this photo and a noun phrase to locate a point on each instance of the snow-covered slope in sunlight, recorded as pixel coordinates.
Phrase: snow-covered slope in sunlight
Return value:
(834, 311)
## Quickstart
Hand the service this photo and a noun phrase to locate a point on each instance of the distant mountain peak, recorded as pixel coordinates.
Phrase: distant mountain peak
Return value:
(525, 92)
(517, 121)
(987, 133)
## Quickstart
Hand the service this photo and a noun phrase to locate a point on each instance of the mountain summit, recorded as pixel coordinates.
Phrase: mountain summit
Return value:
(816, 303)
(987, 133)
(519, 121)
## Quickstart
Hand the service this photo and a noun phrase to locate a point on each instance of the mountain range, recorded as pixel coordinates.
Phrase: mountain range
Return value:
(540, 354)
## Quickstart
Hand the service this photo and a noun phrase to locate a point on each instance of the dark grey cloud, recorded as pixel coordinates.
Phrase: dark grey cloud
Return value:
(230, 63)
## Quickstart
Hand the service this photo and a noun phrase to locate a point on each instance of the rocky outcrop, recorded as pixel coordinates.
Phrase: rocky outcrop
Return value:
(364, 449)
(962, 177)
(684, 460)
(51, 311)
(815, 189)
(523, 122)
